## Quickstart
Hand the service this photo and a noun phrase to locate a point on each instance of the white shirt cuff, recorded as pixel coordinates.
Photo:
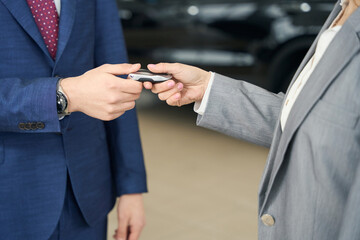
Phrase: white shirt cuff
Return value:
(200, 106)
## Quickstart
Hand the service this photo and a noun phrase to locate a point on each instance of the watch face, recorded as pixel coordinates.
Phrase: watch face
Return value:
(61, 102)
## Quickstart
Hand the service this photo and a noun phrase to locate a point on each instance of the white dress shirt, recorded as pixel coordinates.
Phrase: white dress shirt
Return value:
(200, 106)
(324, 41)
(58, 5)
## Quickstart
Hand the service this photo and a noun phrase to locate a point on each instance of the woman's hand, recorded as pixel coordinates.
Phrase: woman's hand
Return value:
(187, 86)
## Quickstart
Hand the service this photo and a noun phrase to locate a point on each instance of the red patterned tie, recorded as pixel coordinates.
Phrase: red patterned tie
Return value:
(47, 20)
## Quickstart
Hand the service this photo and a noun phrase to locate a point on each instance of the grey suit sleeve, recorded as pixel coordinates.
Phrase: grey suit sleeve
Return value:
(242, 110)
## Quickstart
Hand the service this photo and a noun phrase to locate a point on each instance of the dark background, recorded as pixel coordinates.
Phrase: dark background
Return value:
(259, 41)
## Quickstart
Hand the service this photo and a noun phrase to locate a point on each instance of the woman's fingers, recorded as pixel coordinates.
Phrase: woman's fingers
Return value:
(166, 94)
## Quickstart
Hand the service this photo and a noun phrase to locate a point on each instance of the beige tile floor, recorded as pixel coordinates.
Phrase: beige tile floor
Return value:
(202, 184)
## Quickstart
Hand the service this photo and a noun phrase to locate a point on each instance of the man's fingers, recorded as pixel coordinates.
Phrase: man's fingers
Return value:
(122, 231)
(148, 85)
(126, 107)
(130, 86)
(115, 234)
(119, 69)
(127, 97)
(134, 233)
(172, 68)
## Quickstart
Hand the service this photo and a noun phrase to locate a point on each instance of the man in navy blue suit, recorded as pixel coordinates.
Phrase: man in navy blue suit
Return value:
(69, 138)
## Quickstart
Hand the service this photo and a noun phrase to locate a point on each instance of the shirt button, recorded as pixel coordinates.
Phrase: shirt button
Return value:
(267, 220)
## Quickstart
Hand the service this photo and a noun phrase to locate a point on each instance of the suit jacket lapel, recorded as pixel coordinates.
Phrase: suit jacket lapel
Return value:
(330, 65)
(21, 12)
(67, 19)
(271, 166)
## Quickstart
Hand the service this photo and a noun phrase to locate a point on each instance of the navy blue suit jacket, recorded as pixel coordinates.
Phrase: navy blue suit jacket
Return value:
(103, 159)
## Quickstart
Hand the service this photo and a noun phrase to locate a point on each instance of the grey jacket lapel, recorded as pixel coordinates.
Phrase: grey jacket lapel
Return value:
(269, 169)
(331, 64)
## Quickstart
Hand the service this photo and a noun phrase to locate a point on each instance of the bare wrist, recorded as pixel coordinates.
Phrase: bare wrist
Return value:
(206, 80)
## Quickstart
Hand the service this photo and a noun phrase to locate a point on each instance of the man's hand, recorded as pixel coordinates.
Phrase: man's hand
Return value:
(188, 85)
(99, 93)
(131, 217)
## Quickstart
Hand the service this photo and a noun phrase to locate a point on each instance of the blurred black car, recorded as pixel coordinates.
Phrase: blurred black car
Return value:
(259, 41)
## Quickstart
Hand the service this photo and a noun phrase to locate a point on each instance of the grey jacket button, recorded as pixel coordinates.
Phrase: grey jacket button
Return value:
(268, 220)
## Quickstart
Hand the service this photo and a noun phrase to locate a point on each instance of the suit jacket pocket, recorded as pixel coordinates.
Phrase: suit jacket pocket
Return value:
(335, 115)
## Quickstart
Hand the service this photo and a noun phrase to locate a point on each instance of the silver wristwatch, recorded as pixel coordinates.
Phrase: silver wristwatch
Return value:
(61, 101)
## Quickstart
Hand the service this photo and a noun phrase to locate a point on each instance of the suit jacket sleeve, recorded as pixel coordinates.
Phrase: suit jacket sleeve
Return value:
(350, 228)
(242, 110)
(28, 101)
(123, 133)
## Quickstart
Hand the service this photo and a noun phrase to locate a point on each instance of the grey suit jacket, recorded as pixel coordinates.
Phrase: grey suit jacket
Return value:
(311, 183)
